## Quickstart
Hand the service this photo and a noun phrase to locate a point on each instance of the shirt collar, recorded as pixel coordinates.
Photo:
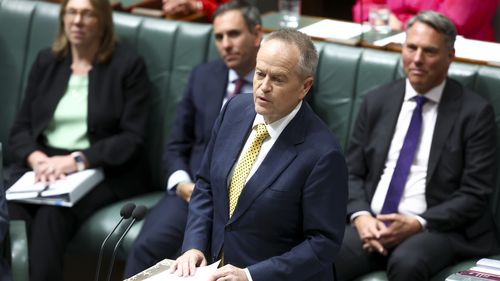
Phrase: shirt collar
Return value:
(276, 128)
(433, 94)
(233, 76)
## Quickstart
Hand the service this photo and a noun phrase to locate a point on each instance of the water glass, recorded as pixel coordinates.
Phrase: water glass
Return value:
(378, 17)
(290, 13)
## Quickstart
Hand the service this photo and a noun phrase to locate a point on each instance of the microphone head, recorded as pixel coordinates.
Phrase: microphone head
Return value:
(127, 210)
(140, 212)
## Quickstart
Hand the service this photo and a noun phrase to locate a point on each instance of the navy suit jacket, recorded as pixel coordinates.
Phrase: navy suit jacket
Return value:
(195, 117)
(461, 172)
(289, 221)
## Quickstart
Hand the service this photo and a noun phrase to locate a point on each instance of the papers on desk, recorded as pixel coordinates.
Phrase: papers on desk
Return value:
(394, 39)
(483, 51)
(201, 274)
(337, 31)
(485, 269)
(64, 192)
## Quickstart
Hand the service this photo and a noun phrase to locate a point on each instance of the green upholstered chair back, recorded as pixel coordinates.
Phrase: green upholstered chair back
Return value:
(13, 48)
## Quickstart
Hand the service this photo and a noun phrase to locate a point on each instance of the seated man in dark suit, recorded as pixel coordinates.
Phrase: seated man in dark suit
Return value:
(271, 193)
(237, 30)
(421, 167)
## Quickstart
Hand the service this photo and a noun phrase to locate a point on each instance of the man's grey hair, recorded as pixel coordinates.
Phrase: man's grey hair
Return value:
(250, 13)
(439, 23)
(308, 56)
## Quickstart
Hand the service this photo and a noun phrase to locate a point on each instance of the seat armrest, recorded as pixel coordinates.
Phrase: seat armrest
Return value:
(19, 250)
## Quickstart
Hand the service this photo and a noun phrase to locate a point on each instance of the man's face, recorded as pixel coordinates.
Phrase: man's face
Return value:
(236, 44)
(277, 87)
(426, 57)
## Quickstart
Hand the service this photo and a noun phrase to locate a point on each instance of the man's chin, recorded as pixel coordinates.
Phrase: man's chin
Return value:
(232, 63)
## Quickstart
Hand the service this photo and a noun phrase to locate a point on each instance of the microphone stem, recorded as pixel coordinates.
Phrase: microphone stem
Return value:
(116, 247)
(99, 260)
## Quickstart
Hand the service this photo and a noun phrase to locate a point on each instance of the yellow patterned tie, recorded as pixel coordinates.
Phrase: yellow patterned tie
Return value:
(243, 167)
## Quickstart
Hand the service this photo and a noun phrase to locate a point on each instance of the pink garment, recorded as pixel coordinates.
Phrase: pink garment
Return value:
(472, 18)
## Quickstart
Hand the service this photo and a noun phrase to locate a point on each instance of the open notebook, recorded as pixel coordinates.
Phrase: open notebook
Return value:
(64, 192)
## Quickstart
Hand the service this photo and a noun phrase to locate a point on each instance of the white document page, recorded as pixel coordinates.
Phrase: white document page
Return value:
(201, 274)
(488, 52)
(398, 38)
(334, 29)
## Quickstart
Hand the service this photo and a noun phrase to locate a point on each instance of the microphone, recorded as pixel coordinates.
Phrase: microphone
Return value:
(125, 213)
(138, 214)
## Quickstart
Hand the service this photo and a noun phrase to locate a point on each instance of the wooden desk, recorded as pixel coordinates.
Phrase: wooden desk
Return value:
(271, 20)
(155, 269)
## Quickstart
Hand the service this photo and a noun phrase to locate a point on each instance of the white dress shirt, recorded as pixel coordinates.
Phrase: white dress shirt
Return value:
(274, 129)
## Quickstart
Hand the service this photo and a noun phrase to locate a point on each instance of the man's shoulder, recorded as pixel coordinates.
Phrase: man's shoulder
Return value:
(389, 88)
(455, 86)
(319, 129)
(240, 101)
(211, 66)
(470, 99)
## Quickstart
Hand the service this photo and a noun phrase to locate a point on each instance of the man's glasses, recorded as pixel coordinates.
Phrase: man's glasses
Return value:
(85, 15)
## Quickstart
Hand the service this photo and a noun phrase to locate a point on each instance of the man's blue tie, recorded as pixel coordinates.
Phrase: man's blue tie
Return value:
(406, 156)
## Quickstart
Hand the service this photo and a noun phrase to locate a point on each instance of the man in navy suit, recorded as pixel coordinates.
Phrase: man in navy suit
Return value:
(288, 221)
(237, 31)
(441, 214)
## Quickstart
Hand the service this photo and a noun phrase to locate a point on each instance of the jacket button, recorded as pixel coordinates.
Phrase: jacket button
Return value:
(228, 228)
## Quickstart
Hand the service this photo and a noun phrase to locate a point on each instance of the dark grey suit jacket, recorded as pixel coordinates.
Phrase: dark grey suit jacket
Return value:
(461, 171)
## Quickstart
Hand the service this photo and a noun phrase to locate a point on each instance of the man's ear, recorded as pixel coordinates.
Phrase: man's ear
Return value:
(306, 86)
(258, 33)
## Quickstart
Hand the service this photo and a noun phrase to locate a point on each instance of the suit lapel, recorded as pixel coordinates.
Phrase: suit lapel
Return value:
(386, 124)
(62, 74)
(449, 106)
(277, 160)
(233, 144)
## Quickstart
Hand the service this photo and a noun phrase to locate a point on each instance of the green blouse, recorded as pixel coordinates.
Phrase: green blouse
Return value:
(68, 127)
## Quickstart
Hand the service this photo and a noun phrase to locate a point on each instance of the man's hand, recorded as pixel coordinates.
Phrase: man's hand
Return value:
(229, 273)
(186, 264)
(369, 231)
(184, 190)
(399, 228)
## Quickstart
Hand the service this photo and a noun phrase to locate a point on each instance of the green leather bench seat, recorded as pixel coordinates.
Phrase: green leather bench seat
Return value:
(171, 49)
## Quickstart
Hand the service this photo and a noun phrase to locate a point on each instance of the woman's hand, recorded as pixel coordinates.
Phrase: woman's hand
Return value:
(50, 169)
